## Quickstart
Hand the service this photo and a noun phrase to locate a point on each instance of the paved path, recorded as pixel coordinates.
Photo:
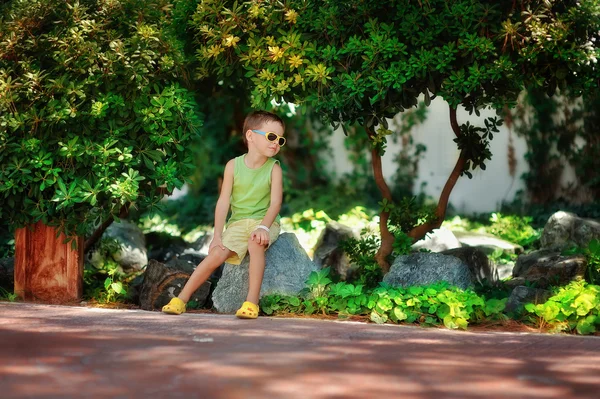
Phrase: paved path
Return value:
(62, 352)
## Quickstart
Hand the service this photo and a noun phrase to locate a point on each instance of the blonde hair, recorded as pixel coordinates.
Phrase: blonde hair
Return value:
(256, 119)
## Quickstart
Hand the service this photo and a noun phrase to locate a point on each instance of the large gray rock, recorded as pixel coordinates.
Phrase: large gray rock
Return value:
(428, 268)
(132, 255)
(479, 264)
(488, 243)
(327, 252)
(165, 281)
(438, 240)
(547, 267)
(565, 230)
(286, 271)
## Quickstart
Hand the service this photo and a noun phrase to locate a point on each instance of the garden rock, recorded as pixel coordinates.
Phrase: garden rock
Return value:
(547, 267)
(488, 243)
(132, 256)
(164, 246)
(565, 230)
(327, 252)
(428, 268)
(437, 241)
(165, 281)
(286, 271)
(480, 266)
(522, 295)
(7, 273)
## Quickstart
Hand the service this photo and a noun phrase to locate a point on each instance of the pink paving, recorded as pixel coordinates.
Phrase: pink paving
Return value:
(59, 352)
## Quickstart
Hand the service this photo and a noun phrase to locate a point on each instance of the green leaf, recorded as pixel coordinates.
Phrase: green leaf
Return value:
(378, 318)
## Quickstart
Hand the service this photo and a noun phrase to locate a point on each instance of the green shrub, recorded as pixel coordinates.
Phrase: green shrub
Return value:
(428, 305)
(575, 307)
(516, 229)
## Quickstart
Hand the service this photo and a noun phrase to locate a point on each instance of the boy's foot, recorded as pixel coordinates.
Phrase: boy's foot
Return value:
(175, 306)
(247, 311)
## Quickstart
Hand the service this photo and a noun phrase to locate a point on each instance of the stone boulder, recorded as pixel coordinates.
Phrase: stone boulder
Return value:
(478, 262)
(327, 252)
(428, 268)
(165, 281)
(286, 271)
(565, 230)
(522, 295)
(438, 240)
(132, 255)
(488, 243)
(546, 267)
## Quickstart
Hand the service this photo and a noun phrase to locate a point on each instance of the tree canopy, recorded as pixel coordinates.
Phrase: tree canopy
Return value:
(361, 62)
(92, 115)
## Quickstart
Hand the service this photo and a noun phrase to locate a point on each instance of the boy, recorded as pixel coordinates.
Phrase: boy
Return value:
(253, 187)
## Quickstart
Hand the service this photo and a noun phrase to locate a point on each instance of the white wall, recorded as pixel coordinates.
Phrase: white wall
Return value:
(483, 193)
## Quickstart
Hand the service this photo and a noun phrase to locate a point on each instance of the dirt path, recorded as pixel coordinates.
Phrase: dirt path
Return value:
(59, 352)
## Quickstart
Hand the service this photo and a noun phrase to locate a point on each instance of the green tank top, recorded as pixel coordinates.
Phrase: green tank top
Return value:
(251, 194)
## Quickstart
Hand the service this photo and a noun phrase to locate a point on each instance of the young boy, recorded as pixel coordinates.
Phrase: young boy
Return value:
(253, 187)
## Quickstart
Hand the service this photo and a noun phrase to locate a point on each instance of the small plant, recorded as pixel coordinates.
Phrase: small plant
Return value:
(7, 296)
(515, 229)
(105, 281)
(428, 305)
(574, 307)
(592, 254)
(361, 253)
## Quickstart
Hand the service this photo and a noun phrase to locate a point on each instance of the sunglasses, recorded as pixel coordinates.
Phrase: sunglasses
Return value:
(272, 137)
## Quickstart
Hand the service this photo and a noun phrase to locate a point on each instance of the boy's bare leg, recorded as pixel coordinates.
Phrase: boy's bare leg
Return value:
(215, 258)
(256, 270)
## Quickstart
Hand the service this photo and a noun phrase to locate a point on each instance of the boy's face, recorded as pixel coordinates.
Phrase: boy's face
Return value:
(260, 143)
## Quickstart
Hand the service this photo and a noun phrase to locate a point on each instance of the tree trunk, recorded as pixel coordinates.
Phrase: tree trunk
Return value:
(440, 213)
(387, 238)
(95, 237)
(46, 268)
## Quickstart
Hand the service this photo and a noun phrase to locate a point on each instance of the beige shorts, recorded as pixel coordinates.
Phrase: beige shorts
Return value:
(236, 235)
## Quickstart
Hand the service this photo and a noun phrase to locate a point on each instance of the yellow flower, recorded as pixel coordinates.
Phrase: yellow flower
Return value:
(230, 41)
(255, 10)
(276, 52)
(282, 86)
(270, 40)
(291, 16)
(295, 61)
(214, 51)
(266, 75)
(298, 79)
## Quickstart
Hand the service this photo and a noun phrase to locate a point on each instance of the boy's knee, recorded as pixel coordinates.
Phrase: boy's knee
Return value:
(254, 246)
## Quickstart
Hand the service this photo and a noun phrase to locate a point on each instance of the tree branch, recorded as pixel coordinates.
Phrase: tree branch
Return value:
(95, 237)
(440, 212)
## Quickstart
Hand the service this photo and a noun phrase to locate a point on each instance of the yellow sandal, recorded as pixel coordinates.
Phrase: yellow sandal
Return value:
(248, 311)
(175, 306)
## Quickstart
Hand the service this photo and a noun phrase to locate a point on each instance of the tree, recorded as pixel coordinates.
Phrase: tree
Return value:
(93, 118)
(360, 61)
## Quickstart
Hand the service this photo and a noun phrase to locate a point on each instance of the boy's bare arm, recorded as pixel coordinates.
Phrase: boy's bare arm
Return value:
(276, 196)
(223, 202)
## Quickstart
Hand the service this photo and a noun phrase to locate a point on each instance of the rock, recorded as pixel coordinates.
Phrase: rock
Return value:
(546, 267)
(163, 246)
(488, 243)
(163, 282)
(521, 295)
(437, 241)
(428, 268)
(286, 271)
(132, 256)
(7, 273)
(480, 266)
(327, 252)
(565, 230)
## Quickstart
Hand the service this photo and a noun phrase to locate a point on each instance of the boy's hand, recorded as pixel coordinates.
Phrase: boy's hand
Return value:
(260, 236)
(216, 242)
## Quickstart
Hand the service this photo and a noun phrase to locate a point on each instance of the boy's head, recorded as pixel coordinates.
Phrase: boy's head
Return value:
(264, 122)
